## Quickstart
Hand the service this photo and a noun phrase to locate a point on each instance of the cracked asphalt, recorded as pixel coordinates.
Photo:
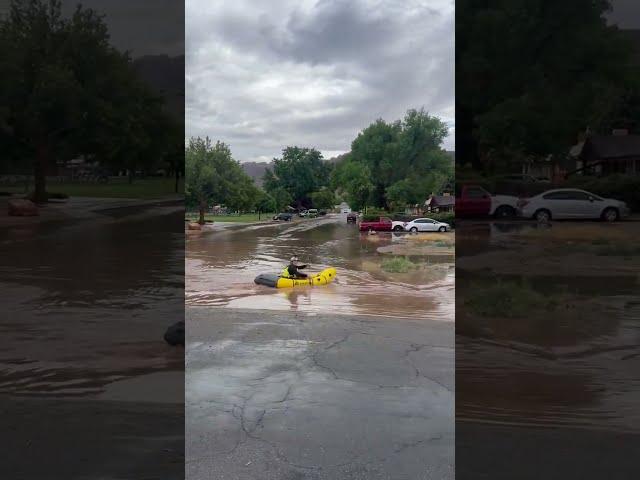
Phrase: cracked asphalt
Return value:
(280, 395)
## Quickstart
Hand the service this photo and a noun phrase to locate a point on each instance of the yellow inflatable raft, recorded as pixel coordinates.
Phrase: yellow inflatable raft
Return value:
(273, 280)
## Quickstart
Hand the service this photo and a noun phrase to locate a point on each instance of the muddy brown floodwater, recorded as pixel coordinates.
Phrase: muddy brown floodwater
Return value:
(548, 325)
(223, 260)
(87, 299)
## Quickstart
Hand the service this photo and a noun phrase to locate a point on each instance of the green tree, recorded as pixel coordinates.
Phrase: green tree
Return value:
(403, 159)
(375, 147)
(300, 171)
(213, 176)
(323, 199)
(282, 198)
(68, 92)
(400, 194)
(265, 203)
(531, 76)
(354, 179)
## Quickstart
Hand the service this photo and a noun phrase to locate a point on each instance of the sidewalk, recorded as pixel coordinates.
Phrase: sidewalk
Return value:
(80, 208)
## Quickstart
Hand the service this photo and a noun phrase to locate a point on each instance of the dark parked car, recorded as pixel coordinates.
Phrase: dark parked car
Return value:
(352, 217)
(283, 216)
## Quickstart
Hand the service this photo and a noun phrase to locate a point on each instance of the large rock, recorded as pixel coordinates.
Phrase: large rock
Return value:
(21, 207)
(175, 334)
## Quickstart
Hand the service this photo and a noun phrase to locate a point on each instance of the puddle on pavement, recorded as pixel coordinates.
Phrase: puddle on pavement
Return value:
(222, 263)
(547, 327)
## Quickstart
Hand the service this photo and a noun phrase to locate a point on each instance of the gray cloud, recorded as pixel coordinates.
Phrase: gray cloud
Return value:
(264, 75)
(625, 13)
(140, 26)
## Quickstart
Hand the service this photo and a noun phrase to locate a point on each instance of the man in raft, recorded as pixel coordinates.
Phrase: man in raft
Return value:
(292, 270)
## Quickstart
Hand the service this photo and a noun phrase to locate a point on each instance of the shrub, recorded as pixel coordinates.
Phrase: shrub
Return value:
(446, 217)
(373, 214)
(508, 299)
(398, 265)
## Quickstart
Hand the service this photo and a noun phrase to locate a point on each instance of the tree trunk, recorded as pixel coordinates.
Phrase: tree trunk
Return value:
(177, 180)
(203, 208)
(40, 174)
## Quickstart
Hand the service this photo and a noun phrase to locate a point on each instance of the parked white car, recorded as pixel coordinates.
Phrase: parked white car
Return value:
(426, 225)
(503, 206)
(398, 226)
(571, 203)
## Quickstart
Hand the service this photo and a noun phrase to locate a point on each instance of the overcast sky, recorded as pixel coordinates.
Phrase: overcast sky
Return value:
(626, 13)
(264, 75)
(143, 27)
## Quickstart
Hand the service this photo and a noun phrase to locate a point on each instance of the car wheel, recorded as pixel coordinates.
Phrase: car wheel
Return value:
(397, 228)
(542, 216)
(414, 229)
(504, 211)
(442, 229)
(610, 215)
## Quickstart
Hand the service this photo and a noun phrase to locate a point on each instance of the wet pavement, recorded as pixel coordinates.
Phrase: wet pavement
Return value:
(353, 380)
(280, 395)
(547, 349)
(88, 289)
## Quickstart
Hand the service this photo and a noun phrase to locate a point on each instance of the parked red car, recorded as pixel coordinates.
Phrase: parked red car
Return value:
(475, 201)
(382, 224)
(472, 201)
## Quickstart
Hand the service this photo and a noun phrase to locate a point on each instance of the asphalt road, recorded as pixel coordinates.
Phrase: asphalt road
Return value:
(289, 396)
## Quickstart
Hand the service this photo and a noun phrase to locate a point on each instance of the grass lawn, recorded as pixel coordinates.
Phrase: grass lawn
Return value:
(146, 188)
(245, 217)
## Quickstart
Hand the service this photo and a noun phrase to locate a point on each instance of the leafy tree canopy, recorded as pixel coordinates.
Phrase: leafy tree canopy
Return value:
(299, 172)
(531, 75)
(396, 163)
(67, 92)
(212, 176)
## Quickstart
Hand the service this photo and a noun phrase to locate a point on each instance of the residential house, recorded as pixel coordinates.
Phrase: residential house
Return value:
(440, 203)
(608, 154)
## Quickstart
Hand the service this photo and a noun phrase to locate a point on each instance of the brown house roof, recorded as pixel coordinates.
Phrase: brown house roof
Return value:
(441, 200)
(604, 147)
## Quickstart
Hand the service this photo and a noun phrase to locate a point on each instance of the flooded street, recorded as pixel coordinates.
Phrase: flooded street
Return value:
(88, 290)
(354, 379)
(101, 292)
(223, 260)
(548, 346)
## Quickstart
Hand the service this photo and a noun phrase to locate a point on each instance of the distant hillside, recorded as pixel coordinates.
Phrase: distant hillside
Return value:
(256, 170)
(165, 75)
